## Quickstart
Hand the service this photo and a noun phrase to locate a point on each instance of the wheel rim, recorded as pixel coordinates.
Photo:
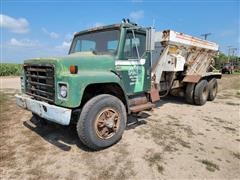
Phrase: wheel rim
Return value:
(107, 123)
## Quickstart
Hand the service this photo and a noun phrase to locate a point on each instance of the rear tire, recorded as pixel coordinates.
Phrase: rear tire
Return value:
(189, 93)
(102, 122)
(201, 92)
(213, 88)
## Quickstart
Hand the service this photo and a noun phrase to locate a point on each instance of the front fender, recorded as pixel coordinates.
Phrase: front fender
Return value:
(78, 82)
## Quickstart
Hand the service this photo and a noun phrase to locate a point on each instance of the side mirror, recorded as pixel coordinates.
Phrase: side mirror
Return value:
(150, 42)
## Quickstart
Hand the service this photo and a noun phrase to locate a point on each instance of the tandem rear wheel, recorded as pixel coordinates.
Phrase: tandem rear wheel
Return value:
(102, 122)
(201, 92)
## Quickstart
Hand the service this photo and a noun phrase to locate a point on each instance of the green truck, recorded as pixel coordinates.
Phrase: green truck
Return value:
(116, 70)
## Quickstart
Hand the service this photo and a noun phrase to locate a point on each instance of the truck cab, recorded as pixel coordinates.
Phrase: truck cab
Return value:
(126, 44)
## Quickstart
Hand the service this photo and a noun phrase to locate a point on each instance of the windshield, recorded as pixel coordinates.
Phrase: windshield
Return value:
(100, 41)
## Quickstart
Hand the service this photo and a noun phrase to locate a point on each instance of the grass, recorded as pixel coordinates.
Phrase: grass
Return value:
(160, 168)
(210, 166)
(236, 72)
(172, 117)
(232, 103)
(10, 69)
(229, 128)
(183, 143)
(3, 98)
(155, 159)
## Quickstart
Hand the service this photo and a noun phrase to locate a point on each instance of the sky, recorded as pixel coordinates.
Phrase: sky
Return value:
(45, 28)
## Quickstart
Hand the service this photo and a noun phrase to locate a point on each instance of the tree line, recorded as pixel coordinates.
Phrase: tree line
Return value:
(222, 59)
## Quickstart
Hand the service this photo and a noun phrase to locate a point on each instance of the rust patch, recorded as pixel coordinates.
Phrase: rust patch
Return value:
(192, 78)
(154, 94)
(138, 101)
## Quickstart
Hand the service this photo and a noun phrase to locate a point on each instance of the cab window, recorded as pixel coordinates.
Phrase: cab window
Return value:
(133, 44)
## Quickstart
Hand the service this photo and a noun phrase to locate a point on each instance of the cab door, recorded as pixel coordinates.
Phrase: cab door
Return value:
(134, 66)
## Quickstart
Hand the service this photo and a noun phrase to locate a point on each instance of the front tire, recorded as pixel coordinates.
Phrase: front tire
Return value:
(102, 122)
(201, 92)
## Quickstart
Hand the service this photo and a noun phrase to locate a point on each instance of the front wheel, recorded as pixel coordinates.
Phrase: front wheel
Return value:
(102, 122)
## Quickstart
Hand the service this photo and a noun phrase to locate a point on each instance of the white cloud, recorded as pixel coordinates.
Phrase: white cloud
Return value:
(94, 25)
(136, 15)
(98, 24)
(227, 33)
(52, 35)
(68, 37)
(22, 43)
(64, 46)
(19, 26)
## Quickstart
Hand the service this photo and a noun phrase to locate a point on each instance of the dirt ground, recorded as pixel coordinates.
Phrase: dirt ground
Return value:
(174, 141)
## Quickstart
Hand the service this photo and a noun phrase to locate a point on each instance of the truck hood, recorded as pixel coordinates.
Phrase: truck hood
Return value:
(84, 60)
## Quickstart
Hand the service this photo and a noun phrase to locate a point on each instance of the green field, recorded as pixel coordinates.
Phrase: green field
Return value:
(10, 69)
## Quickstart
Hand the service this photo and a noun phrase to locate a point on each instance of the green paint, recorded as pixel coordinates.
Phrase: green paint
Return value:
(133, 76)
(140, 81)
(95, 68)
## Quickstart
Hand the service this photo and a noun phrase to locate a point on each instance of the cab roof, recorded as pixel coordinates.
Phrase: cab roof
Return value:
(112, 26)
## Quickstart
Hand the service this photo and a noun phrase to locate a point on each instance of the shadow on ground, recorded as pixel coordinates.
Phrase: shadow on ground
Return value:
(64, 137)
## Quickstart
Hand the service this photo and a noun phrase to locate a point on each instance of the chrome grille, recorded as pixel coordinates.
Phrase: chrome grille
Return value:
(40, 82)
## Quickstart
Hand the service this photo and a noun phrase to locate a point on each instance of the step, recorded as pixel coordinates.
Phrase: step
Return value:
(135, 109)
(138, 101)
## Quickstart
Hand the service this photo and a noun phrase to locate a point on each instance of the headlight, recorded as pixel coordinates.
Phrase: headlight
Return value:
(63, 91)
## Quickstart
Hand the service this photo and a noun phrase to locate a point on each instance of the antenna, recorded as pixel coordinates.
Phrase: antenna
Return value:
(153, 23)
(206, 35)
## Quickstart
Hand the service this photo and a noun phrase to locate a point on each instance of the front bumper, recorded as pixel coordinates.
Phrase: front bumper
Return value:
(52, 113)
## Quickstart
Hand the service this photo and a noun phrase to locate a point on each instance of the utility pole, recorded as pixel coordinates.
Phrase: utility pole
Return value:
(229, 51)
(206, 35)
(233, 54)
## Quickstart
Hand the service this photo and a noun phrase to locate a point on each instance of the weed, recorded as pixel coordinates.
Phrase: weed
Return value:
(172, 117)
(217, 147)
(183, 143)
(155, 158)
(201, 134)
(232, 103)
(210, 166)
(229, 128)
(236, 155)
(160, 168)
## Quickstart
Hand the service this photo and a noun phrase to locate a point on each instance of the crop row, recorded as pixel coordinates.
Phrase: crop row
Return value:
(10, 69)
